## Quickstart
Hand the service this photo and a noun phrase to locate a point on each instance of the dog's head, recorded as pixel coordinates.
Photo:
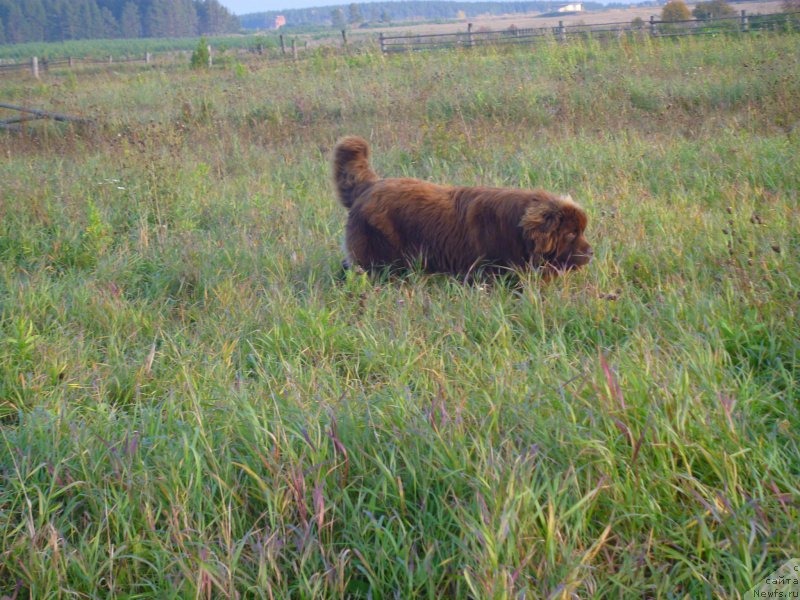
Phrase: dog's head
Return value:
(553, 229)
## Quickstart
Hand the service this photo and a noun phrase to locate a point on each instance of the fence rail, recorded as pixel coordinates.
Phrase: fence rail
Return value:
(742, 23)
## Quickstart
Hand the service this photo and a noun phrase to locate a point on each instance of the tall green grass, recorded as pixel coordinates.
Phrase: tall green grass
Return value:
(194, 402)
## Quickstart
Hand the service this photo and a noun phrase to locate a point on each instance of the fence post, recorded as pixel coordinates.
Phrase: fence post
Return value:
(344, 37)
(562, 33)
(283, 46)
(147, 58)
(71, 62)
(652, 25)
(383, 44)
(294, 48)
(745, 24)
(35, 67)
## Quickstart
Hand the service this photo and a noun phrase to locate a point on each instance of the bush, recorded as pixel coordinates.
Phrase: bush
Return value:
(201, 55)
(675, 10)
(713, 9)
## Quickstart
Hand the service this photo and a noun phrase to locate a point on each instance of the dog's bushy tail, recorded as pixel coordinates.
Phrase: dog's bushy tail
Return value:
(351, 170)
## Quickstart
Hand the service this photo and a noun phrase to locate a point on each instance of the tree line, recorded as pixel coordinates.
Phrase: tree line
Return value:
(61, 20)
(355, 14)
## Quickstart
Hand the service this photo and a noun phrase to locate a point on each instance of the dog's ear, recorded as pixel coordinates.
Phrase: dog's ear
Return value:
(540, 225)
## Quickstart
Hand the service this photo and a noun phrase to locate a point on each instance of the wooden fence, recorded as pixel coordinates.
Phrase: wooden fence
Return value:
(742, 23)
(37, 65)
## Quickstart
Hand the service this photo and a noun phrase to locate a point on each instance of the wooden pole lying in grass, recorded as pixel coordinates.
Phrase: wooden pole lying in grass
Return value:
(42, 113)
(35, 114)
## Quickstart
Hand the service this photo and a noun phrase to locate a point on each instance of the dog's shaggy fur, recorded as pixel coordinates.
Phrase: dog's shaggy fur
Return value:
(402, 222)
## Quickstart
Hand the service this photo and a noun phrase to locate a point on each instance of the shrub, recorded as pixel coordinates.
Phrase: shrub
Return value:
(201, 55)
(675, 10)
(713, 9)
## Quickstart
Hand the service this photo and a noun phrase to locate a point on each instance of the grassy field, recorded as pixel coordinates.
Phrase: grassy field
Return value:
(131, 48)
(193, 403)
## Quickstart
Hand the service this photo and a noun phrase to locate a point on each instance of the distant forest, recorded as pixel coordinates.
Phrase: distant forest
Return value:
(356, 14)
(61, 20)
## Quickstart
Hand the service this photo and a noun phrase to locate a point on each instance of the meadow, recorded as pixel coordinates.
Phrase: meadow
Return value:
(130, 48)
(196, 402)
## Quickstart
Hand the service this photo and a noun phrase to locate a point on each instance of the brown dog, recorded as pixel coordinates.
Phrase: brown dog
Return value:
(402, 222)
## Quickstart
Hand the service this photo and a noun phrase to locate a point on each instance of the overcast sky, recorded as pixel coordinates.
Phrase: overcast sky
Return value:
(242, 7)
